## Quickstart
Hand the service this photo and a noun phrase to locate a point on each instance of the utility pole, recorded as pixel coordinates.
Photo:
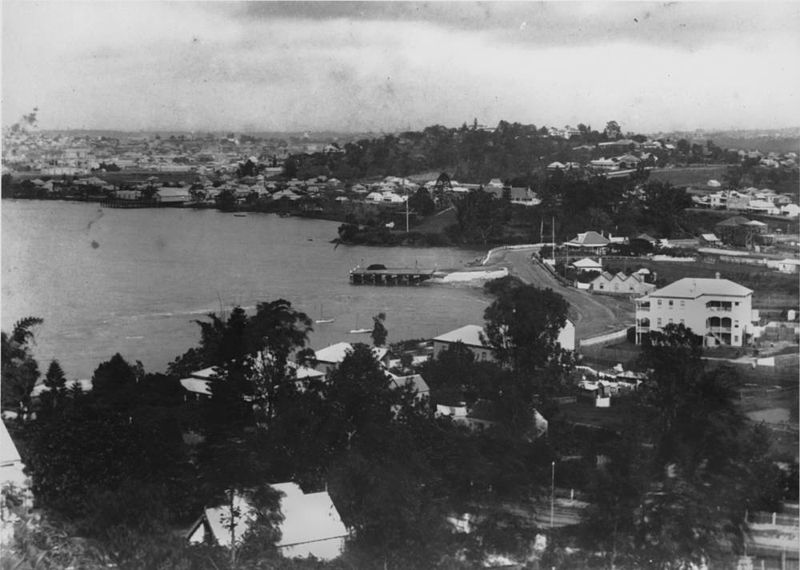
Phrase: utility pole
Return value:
(552, 491)
(406, 214)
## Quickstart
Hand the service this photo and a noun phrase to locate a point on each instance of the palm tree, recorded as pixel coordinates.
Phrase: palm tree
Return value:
(19, 369)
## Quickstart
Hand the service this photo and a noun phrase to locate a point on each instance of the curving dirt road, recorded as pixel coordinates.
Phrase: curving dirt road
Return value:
(593, 315)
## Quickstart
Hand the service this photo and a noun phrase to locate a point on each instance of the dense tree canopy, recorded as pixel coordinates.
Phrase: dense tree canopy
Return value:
(523, 325)
(19, 369)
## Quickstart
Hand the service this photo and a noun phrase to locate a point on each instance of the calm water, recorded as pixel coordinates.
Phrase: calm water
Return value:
(132, 281)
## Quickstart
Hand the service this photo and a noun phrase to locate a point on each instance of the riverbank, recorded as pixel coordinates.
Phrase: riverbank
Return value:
(154, 272)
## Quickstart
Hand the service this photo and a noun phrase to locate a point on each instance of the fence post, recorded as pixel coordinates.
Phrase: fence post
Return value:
(774, 518)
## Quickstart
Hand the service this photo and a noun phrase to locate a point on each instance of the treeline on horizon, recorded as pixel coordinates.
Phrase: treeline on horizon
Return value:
(511, 151)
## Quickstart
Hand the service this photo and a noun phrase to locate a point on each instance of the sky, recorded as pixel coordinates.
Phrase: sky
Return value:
(388, 66)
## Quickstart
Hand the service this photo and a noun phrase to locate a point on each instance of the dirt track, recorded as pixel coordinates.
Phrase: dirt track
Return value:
(593, 315)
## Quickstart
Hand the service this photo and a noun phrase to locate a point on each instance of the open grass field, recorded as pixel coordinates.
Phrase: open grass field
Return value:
(689, 175)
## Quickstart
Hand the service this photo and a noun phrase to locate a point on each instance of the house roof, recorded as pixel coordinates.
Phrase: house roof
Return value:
(307, 517)
(605, 275)
(709, 237)
(335, 353)
(733, 222)
(586, 262)
(415, 380)
(589, 239)
(197, 386)
(8, 451)
(176, 192)
(694, 287)
(206, 373)
(306, 373)
(469, 335)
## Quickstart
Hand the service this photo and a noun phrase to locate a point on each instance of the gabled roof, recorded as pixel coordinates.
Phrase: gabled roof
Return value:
(415, 380)
(197, 386)
(694, 287)
(306, 518)
(589, 239)
(734, 221)
(586, 262)
(335, 353)
(646, 237)
(8, 451)
(469, 335)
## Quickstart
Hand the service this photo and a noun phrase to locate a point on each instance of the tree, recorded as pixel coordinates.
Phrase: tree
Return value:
(290, 167)
(379, 332)
(20, 371)
(687, 465)
(421, 202)
(613, 131)
(114, 382)
(55, 379)
(523, 325)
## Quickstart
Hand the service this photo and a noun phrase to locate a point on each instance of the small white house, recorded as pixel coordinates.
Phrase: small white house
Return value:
(790, 210)
(326, 359)
(587, 264)
(473, 337)
(311, 524)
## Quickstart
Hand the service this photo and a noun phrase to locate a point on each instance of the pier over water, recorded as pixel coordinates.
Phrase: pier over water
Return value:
(380, 275)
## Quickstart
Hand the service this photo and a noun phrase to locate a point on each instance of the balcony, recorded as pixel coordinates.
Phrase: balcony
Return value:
(715, 330)
(719, 307)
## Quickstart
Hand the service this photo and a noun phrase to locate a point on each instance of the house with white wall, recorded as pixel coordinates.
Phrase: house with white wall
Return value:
(311, 525)
(474, 338)
(718, 310)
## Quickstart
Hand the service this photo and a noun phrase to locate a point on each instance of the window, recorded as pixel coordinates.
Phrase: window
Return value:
(683, 304)
(670, 321)
(682, 322)
(736, 339)
(736, 303)
(670, 303)
(658, 322)
(659, 302)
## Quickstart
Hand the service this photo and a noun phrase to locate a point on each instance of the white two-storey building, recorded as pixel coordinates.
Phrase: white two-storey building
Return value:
(719, 310)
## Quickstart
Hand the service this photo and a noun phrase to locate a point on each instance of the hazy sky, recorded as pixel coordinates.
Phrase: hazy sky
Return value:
(397, 65)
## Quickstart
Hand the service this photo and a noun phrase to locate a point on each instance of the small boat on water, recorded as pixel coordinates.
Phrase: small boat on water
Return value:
(240, 215)
(358, 330)
(322, 320)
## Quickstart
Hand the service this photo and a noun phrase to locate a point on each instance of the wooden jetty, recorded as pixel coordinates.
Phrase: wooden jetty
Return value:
(391, 276)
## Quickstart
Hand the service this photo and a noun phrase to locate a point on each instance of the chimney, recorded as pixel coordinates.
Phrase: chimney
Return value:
(716, 275)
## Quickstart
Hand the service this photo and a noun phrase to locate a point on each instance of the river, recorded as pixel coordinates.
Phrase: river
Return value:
(132, 281)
